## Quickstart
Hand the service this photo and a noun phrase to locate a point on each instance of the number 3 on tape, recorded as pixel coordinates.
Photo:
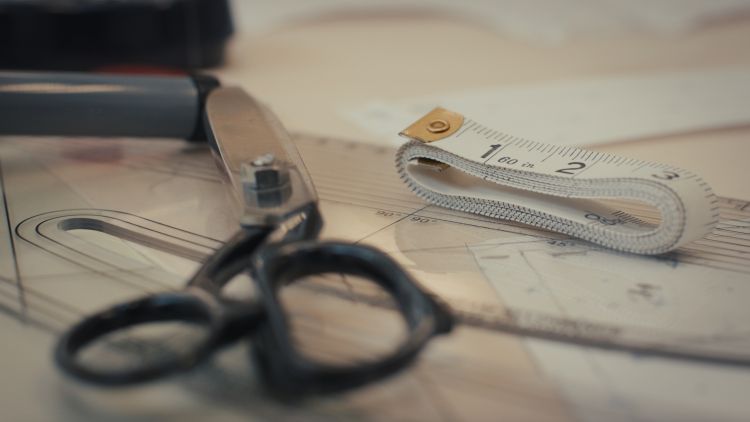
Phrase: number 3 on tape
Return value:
(458, 163)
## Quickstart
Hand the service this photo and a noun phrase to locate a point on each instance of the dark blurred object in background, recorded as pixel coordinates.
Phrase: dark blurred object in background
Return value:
(95, 34)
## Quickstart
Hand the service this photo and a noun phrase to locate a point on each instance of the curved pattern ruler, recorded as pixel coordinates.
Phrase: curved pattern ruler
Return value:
(497, 275)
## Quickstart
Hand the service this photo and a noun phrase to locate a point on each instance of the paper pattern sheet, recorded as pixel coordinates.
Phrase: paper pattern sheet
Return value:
(169, 193)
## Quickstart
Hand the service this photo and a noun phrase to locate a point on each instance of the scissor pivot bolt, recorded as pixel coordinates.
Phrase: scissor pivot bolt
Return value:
(265, 182)
(264, 160)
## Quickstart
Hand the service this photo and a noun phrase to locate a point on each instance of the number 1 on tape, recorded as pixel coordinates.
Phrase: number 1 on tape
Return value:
(458, 163)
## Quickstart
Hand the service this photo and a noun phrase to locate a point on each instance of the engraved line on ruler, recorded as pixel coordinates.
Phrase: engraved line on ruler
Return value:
(110, 273)
(109, 267)
(392, 223)
(12, 244)
(698, 253)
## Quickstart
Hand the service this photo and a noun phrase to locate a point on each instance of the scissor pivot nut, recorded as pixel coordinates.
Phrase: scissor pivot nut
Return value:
(270, 178)
(263, 177)
(266, 185)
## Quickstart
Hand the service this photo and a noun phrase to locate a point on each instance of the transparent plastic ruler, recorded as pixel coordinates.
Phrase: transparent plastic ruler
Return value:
(457, 163)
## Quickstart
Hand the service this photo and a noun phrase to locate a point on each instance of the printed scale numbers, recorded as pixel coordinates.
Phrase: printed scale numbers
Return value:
(460, 164)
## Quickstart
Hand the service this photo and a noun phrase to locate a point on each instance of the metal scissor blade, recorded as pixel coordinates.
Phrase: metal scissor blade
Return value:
(242, 132)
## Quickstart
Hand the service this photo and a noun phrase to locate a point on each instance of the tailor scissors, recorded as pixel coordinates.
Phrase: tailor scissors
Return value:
(276, 245)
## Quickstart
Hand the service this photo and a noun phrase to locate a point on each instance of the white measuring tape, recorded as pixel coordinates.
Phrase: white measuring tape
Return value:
(460, 164)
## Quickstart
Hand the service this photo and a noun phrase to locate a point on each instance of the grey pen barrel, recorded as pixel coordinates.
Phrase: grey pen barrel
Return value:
(85, 104)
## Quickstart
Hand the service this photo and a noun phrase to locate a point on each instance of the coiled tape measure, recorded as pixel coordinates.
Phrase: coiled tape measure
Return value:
(457, 163)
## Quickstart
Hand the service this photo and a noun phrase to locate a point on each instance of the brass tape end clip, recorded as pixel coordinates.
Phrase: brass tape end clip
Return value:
(434, 126)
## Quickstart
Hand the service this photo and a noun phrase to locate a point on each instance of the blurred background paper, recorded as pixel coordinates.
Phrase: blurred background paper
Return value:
(585, 112)
(541, 21)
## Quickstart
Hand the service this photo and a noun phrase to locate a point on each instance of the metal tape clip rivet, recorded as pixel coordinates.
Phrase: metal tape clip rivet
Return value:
(438, 126)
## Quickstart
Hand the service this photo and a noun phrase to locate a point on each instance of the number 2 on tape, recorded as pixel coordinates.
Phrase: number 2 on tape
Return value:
(457, 163)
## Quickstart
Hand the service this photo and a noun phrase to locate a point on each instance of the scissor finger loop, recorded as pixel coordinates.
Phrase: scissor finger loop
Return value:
(287, 370)
(193, 306)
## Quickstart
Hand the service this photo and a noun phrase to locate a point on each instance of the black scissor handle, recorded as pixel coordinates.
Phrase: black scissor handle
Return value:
(284, 368)
(272, 265)
(224, 320)
(189, 306)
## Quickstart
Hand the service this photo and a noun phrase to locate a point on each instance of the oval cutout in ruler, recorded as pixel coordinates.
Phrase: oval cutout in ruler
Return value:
(457, 163)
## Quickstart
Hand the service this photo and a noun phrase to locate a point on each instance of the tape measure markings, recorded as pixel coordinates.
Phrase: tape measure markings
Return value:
(554, 187)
